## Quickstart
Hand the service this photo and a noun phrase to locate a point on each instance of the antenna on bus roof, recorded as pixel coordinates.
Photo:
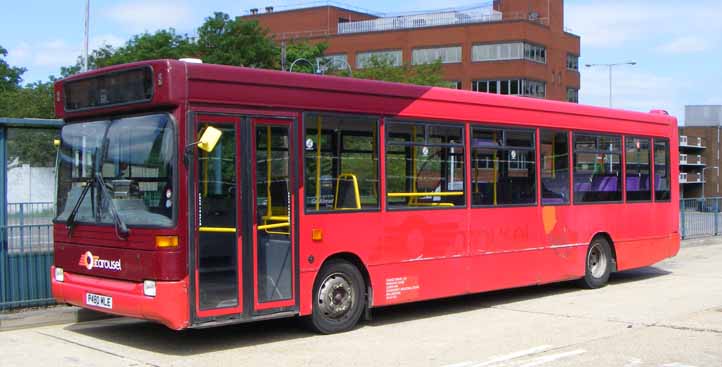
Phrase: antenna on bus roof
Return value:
(191, 60)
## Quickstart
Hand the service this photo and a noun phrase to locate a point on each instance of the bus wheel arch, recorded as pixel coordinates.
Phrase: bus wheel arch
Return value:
(342, 273)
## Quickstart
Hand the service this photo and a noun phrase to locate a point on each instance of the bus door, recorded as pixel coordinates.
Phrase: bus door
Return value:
(245, 258)
(272, 215)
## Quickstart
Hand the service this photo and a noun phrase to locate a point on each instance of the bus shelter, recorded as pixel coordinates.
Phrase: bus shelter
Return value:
(27, 206)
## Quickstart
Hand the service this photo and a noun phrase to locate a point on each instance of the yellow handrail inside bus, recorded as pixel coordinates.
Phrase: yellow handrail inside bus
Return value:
(318, 163)
(422, 194)
(217, 229)
(357, 196)
(266, 227)
(496, 169)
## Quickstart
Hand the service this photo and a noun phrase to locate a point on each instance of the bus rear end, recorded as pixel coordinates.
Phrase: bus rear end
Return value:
(118, 238)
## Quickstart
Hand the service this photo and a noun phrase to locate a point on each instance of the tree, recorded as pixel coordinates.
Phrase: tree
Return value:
(383, 68)
(304, 50)
(10, 76)
(222, 40)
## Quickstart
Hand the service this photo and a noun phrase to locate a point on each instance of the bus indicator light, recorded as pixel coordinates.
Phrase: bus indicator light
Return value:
(166, 241)
(317, 234)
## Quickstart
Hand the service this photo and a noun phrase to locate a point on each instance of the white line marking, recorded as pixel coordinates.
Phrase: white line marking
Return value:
(510, 356)
(460, 364)
(553, 357)
(677, 364)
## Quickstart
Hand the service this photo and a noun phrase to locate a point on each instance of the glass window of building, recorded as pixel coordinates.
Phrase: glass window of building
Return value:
(447, 55)
(394, 57)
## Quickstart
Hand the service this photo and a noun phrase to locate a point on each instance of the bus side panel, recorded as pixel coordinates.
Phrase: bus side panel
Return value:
(422, 256)
(505, 247)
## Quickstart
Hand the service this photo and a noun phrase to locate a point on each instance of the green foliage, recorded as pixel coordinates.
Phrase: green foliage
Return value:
(31, 101)
(222, 40)
(10, 76)
(383, 68)
(303, 50)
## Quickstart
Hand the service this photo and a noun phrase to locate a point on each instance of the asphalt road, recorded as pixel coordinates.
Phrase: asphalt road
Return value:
(668, 315)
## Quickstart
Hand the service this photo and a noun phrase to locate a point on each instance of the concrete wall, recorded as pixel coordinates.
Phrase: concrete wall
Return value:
(31, 184)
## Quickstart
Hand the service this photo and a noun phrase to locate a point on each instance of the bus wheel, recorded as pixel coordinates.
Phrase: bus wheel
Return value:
(338, 298)
(598, 264)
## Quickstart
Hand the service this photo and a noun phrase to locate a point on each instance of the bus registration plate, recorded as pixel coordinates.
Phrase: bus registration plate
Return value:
(98, 300)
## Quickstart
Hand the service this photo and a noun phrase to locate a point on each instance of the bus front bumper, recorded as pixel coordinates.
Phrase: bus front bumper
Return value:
(169, 306)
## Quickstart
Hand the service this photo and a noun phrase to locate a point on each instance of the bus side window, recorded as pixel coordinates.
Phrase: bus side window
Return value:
(554, 152)
(597, 168)
(661, 170)
(341, 162)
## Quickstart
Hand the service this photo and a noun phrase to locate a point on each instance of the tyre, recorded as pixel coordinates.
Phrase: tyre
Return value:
(598, 264)
(339, 298)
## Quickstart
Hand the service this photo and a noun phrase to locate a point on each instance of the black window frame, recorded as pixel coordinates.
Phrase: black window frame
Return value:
(668, 167)
(377, 119)
(505, 147)
(620, 152)
(626, 171)
(427, 124)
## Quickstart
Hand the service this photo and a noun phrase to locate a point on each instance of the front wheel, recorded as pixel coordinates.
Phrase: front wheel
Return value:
(598, 264)
(338, 298)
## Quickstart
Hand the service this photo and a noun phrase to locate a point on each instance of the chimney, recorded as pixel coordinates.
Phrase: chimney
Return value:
(254, 11)
(269, 9)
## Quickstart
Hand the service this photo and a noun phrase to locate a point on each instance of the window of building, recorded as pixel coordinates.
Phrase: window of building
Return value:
(572, 62)
(637, 158)
(510, 87)
(335, 61)
(424, 165)
(503, 168)
(394, 57)
(497, 52)
(554, 162)
(534, 88)
(341, 162)
(535, 53)
(662, 173)
(447, 55)
(597, 168)
(573, 95)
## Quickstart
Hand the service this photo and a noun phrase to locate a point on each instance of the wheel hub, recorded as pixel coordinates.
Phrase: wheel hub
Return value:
(597, 261)
(335, 296)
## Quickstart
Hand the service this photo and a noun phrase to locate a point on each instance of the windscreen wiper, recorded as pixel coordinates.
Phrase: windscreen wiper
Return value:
(120, 226)
(70, 222)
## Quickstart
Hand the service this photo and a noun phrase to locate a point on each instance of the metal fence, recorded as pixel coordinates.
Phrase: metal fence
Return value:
(26, 257)
(700, 217)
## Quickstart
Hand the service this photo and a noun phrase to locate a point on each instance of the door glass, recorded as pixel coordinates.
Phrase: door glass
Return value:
(217, 238)
(273, 213)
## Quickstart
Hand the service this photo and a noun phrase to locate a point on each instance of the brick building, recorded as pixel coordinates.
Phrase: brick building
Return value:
(515, 47)
(699, 151)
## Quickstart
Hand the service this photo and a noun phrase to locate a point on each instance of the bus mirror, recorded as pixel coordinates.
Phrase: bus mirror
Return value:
(209, 139)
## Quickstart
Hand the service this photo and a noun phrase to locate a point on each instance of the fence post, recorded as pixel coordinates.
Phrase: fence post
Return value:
(3, 217)
(683, 224)
(716, 216)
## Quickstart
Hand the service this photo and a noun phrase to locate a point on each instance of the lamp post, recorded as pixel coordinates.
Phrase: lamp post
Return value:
(610, 66)
(290, 69)
(703, 177)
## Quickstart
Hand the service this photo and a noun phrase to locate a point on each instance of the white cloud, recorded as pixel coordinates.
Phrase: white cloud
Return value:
(685, 45)
(612, 24)
(631, 89)
(47, 53)
(151, 15)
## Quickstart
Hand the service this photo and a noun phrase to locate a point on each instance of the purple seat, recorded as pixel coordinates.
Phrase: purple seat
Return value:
(552, 201)
(633, 183)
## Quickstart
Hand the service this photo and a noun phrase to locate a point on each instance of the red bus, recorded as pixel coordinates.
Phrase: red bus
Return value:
(197, 195)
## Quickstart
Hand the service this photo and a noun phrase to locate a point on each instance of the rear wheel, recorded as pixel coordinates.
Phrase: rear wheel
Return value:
(598, 264)
(338, 298)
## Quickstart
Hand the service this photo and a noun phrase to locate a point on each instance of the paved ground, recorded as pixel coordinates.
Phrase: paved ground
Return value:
(669, 315)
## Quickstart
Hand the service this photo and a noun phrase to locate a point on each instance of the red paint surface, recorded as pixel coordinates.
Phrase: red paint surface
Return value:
(445, 252)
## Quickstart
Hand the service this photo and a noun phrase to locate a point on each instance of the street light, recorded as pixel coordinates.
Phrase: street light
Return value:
(703, 177)
(290, 69)
(610, 66)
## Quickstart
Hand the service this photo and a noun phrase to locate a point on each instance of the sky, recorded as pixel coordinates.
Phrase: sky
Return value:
(676, 44)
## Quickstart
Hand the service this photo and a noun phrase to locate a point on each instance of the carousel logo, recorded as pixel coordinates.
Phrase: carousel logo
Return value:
(95, 262)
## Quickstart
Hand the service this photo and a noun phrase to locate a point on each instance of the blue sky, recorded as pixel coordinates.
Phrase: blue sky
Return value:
(677, 45)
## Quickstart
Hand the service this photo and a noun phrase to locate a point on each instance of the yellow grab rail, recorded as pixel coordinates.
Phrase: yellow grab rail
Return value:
(423, 194)
(275, 225)
(357, 195)
(217, 229)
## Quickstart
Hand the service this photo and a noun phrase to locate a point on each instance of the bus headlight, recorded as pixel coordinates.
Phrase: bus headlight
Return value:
(149, 288)
(59, 275)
